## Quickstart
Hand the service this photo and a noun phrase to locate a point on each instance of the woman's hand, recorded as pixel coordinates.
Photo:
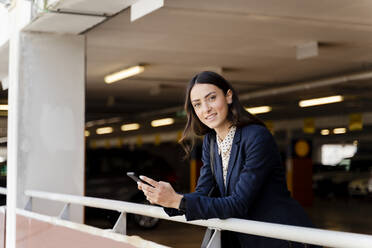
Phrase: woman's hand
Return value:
(161, 193)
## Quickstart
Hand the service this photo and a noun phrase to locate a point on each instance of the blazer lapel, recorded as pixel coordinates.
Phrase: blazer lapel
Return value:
(233, 155)
(218, 170)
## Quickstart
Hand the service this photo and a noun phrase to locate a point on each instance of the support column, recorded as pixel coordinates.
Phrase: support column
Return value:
(299, 169)
(46, 120)
(289, 161)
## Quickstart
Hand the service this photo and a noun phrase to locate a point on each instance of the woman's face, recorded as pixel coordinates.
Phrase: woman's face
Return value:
(211, 105)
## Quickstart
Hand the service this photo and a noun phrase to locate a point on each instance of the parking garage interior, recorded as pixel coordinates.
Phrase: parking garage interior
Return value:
(275, 57)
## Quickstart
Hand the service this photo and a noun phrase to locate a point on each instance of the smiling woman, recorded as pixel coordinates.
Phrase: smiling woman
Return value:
(248, 172)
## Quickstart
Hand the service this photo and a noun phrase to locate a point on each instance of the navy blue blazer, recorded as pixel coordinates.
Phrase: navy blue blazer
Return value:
(255, 188)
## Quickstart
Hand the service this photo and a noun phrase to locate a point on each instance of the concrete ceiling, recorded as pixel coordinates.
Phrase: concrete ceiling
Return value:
(254, 42)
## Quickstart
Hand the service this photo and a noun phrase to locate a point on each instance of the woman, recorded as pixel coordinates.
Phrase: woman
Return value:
(248, 169)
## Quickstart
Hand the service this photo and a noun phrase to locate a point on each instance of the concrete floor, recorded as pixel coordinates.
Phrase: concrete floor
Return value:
(342, 214)
(173, 234)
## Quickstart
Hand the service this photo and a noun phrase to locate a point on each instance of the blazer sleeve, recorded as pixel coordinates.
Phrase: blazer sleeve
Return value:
(205, 181)
(258, 162)
(172, 211)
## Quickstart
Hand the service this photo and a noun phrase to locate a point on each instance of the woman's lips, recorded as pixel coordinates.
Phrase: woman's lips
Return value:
(210, 117)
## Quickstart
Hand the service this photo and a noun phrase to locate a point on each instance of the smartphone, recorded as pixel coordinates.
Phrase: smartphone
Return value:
(136, 178)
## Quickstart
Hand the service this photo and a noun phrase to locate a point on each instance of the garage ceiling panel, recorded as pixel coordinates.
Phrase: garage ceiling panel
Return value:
(63, 23)
(108, 7)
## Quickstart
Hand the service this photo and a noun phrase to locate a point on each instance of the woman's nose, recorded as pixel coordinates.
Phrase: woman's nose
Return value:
(206, 107)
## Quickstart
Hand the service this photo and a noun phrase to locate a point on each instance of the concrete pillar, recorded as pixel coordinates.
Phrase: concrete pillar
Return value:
(302, 166)
(46, 119)
(299, 169)
(288, 161)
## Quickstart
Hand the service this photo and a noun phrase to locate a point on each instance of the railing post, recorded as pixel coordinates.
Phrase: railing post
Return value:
(65, 213)
(207, 236)
(121, 224)
(212, 238)
(28, 206)
(215, 241)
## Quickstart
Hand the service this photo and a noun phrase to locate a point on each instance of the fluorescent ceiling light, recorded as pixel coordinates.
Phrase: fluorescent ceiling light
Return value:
(5, 2)
(259, 110)
(162, 122)
(104, 130)
(126, 73)
(4, 107)
(339, 130)
(324, 131)
(307, 50)
(87, 133)
(130, 127)
(320, 101)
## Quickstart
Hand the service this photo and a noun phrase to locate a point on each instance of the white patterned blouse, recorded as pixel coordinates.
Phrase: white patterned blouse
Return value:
(224, 149)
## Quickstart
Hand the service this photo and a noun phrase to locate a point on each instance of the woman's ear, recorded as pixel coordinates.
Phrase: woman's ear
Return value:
(229, 96)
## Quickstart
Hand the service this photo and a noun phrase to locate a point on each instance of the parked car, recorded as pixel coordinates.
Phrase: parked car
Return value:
(106, 178)
(335, 180)
(369, 186)
(358, 187)
(361, 186)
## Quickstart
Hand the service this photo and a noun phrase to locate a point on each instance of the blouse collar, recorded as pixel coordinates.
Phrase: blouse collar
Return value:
(225, 145)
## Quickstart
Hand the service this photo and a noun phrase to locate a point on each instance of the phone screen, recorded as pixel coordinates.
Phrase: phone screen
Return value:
(136, 178)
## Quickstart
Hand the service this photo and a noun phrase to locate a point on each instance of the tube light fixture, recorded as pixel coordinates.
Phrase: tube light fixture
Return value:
(320, 101)
(340, 130)
(126, 73)
(324, 132)
(104, 130)
(259, 110)
(130, 127)
(6, 3)
(162, 122)
(4, 107)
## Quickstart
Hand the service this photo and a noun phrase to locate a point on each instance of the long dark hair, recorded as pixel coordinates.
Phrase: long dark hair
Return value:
(237, 115)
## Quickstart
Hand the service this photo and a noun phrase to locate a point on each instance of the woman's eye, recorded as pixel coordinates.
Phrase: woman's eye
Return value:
(196, 105)
(211, 98)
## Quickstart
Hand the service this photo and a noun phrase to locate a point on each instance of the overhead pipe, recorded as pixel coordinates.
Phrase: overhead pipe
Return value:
(306, 85)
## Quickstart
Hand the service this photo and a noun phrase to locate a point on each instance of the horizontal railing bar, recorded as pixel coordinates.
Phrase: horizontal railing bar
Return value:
(3, 191)
(307, 235)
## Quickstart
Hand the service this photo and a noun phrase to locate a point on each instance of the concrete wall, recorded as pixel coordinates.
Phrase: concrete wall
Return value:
(51, 118)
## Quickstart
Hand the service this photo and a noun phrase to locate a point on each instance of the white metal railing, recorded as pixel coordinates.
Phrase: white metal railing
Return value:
(306, 235)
